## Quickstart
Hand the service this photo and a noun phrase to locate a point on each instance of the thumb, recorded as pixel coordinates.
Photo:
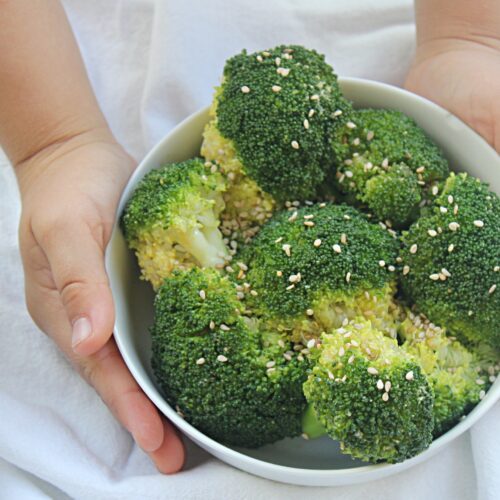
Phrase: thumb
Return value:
(75, 254)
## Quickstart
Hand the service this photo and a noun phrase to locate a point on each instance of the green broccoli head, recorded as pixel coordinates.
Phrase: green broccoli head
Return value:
(458, 376)
(370, 395)
(273, 116)
(451, 259)
(312, 268)
(172, 219)
(386, 162)
(235, 383)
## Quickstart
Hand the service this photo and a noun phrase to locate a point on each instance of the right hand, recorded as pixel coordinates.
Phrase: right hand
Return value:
(70, 192)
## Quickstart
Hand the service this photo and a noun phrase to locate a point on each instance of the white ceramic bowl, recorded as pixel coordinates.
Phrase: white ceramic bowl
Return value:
(297, 461)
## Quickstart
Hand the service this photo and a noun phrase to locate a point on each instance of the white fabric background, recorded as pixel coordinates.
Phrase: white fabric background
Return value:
(152, 64)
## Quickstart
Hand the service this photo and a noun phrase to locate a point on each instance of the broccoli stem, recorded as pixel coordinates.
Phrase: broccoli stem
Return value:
(311, 425)
(205, 246)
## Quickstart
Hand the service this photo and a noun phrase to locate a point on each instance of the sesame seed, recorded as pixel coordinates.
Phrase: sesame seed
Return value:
(242, 266)
(279, 274)
(203, 295)
(434, 277)
(309, 223)
(354, 343)
(200, 361)
(453, 226)
(254, 293)
(492, 288)
(221, 358)
(295, 145)
(391, 268)
(211, 325)
(293, 278)
(455, 210)
(311, 343)
(259, 58)
(350, 125)
(496, 269)
(370, 135)
(224, 327)
(479, 223)
(450, 199)
(385, 163)
(311, 113)
(286, 248)
(309, 216)
(287, 356)
(414, 248)
(281, 343)
(348, 174)
(380, 384)
(245, 89)
(385, 396)
(293, 217)
(277, 61)
(432, 232)
(336, 248)
(309, 312)
(270, 370)
(347, 217)
(343, 238)
(443, 210)
(446, 272)
(345, 321)
(356, 141)
(322, 205)
(420, 170)
(435, 190)
(388, 386)
(314, 97)
(276, 88)
(290, 287)
(372, 371)
(381, 263)
(348, 277)
(338, 112)
(317, 243)
(451, 247)
(306, 124)
(283, 71)
(409, 376)
(480, 381)
(270, 364)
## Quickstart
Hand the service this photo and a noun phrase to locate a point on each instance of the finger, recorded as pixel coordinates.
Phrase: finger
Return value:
(75, 255)
(170, 456)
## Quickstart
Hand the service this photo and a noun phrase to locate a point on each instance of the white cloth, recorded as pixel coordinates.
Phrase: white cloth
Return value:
(152, 64)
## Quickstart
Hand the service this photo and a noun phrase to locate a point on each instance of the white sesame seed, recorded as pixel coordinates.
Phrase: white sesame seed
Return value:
(311, 113)
(409, 376)
(240, 295)
(281, 343)
(311, 343)
(350, 125)
(414, 248)
(351, 359)
(277, 61)
(306, 124)
(354, 343)
(290, 287)
(338, 112)
(211, 325)
(343, 238)
(434, 277)
(279, 274)
(286, 248)
(314, 97)
(295, 145)
(287, 356)
(435, 190)
(347, 217)
(317, 243)
(443, 210)
(259, 58)
(293, 216)
(420, 170)
(270, 364)
(432, 232)
(331, 376)
(283, 71)
(200, 361)
(356, 141)
(492, 288)
(254, 293)
(270, 370)
(293, 278)
(370, 135)
(345, 321)
(221, 358)
(336, 248)
(245, 89)
(479, 223)
(276, 88)
(309, 223)
(381, 263)
(348, 174)
(385, 396)
(348, 277)
(453, 226)
(203, 295)
(388, 386)
(372, 371)
(380, 384)
(446, 272)
(224, 327)
(391, 268)
(385, 163)
(455, 210)
(451, 247)
(406, 270)
(480, 381)
(496, 269)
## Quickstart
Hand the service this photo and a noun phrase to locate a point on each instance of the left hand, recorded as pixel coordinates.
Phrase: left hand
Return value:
(463, 76)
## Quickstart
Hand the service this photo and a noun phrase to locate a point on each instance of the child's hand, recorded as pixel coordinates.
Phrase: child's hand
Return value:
(457, 63)
(70, 194)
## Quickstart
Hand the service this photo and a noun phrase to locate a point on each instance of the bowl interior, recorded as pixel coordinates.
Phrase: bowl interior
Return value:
(295, 460)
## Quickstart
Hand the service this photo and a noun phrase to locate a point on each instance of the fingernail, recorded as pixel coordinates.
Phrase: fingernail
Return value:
(82, 329)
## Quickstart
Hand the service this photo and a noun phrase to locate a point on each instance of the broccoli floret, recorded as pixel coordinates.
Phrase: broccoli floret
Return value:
(226, 377)
(451, 259)
(458, 376)
(385, 162)
(273, 117)
(312, 268)
(370, 395)
(172, 219)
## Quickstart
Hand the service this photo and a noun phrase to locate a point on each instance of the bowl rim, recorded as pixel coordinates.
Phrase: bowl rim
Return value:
(259, 466)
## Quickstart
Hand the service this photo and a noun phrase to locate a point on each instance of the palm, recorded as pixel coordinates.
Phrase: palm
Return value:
(465, 79)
